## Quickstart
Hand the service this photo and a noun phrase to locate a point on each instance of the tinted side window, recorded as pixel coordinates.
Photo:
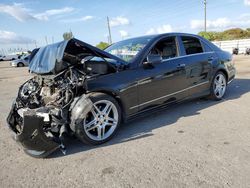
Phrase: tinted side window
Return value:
(192, 45)
(166, 48)
(206, 47)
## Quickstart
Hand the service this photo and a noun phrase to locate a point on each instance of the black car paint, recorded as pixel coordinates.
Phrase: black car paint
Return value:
(138, 89)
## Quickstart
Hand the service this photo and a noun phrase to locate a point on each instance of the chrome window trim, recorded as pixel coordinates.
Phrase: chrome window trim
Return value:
(183, 56)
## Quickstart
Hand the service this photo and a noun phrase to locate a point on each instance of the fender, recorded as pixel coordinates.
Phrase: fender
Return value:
(79, 109)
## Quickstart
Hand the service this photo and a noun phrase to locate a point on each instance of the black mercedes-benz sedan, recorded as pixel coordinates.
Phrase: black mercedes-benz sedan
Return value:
(80, 90)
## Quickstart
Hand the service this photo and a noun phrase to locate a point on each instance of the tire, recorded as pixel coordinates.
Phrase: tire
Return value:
(218, 87)
(20, 65)
(95, 131)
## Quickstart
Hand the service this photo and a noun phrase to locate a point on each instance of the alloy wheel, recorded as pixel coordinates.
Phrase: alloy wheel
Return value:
(101, 121)
(219, 85)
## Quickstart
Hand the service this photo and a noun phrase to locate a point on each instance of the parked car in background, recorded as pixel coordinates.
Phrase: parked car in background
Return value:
(235, 51)
(81, 90)
(22, 62)
(247, 51)
(8, 57)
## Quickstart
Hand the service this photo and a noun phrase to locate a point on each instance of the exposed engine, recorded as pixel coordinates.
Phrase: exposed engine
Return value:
(49, 97)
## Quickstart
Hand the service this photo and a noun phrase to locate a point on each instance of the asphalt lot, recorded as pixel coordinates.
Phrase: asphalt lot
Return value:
(200, 143)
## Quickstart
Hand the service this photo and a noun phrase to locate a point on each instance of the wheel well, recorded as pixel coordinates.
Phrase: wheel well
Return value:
(224, 72)
(117, 98)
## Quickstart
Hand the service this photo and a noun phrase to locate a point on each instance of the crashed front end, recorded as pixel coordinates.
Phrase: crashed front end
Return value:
(32, 136)
(48, 105)
(40, 114)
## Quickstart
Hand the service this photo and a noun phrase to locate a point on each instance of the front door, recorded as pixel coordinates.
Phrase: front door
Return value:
(165, 82)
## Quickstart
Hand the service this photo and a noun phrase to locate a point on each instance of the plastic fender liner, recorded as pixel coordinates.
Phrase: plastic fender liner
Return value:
(79, 109)
(33, 138)
(11, 121)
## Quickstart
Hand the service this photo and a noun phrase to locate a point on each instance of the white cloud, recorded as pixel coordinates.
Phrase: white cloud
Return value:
(220, 23)
(8, 37)
(53, 12)
(118, 21)
(164, 29)
(150, 31)
(85, 18)
(20, 13)
(82, 19)
(124, 34)
(247, 2)
(242, 21)
(160, 29)
(17, 11)
(245, 16)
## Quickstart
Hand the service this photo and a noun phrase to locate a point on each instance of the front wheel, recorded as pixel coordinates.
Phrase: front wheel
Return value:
(218, 86)
(101, 122)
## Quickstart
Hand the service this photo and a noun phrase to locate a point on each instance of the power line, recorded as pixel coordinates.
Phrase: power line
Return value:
(153, 16)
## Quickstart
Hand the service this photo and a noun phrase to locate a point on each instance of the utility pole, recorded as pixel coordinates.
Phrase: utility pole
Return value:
(110, 38)
(46, 40)
(205, 15)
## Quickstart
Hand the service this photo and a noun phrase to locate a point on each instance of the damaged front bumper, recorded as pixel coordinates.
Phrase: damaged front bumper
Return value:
(32, 136)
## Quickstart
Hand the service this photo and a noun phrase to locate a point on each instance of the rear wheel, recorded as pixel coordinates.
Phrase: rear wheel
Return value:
(102, 122)
(218, 86)
(20, 65)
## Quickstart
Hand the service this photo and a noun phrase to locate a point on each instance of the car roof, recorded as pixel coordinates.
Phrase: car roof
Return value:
(155, 36)
(159, 36)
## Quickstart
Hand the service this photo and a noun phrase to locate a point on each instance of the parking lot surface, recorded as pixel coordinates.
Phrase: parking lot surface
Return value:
(200, 143)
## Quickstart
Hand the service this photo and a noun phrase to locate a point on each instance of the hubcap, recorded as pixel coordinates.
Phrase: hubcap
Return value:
(101, 121)
(219, 85)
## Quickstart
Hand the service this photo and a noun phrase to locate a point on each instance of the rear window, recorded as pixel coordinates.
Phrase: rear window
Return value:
(192, 45)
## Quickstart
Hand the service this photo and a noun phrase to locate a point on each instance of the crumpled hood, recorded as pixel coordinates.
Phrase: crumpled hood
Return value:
(44, 60)
(46, 57)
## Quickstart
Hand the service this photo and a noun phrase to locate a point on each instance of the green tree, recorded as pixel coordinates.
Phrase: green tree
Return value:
(230, 34)
(102, 45)
(208, 35)
(67, 35)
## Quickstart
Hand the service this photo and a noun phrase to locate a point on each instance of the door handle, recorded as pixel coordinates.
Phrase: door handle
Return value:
(181, 66)
(210, 58)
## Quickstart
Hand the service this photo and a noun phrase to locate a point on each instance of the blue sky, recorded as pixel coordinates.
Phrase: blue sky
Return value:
(25, 24)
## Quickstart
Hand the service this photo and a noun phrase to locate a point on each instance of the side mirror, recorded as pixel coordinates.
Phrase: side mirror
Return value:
(151, 60)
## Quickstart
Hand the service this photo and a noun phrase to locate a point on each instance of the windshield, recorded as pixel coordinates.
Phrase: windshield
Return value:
(128, 49)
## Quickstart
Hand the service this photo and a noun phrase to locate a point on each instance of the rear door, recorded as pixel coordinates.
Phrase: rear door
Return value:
(198, 62)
